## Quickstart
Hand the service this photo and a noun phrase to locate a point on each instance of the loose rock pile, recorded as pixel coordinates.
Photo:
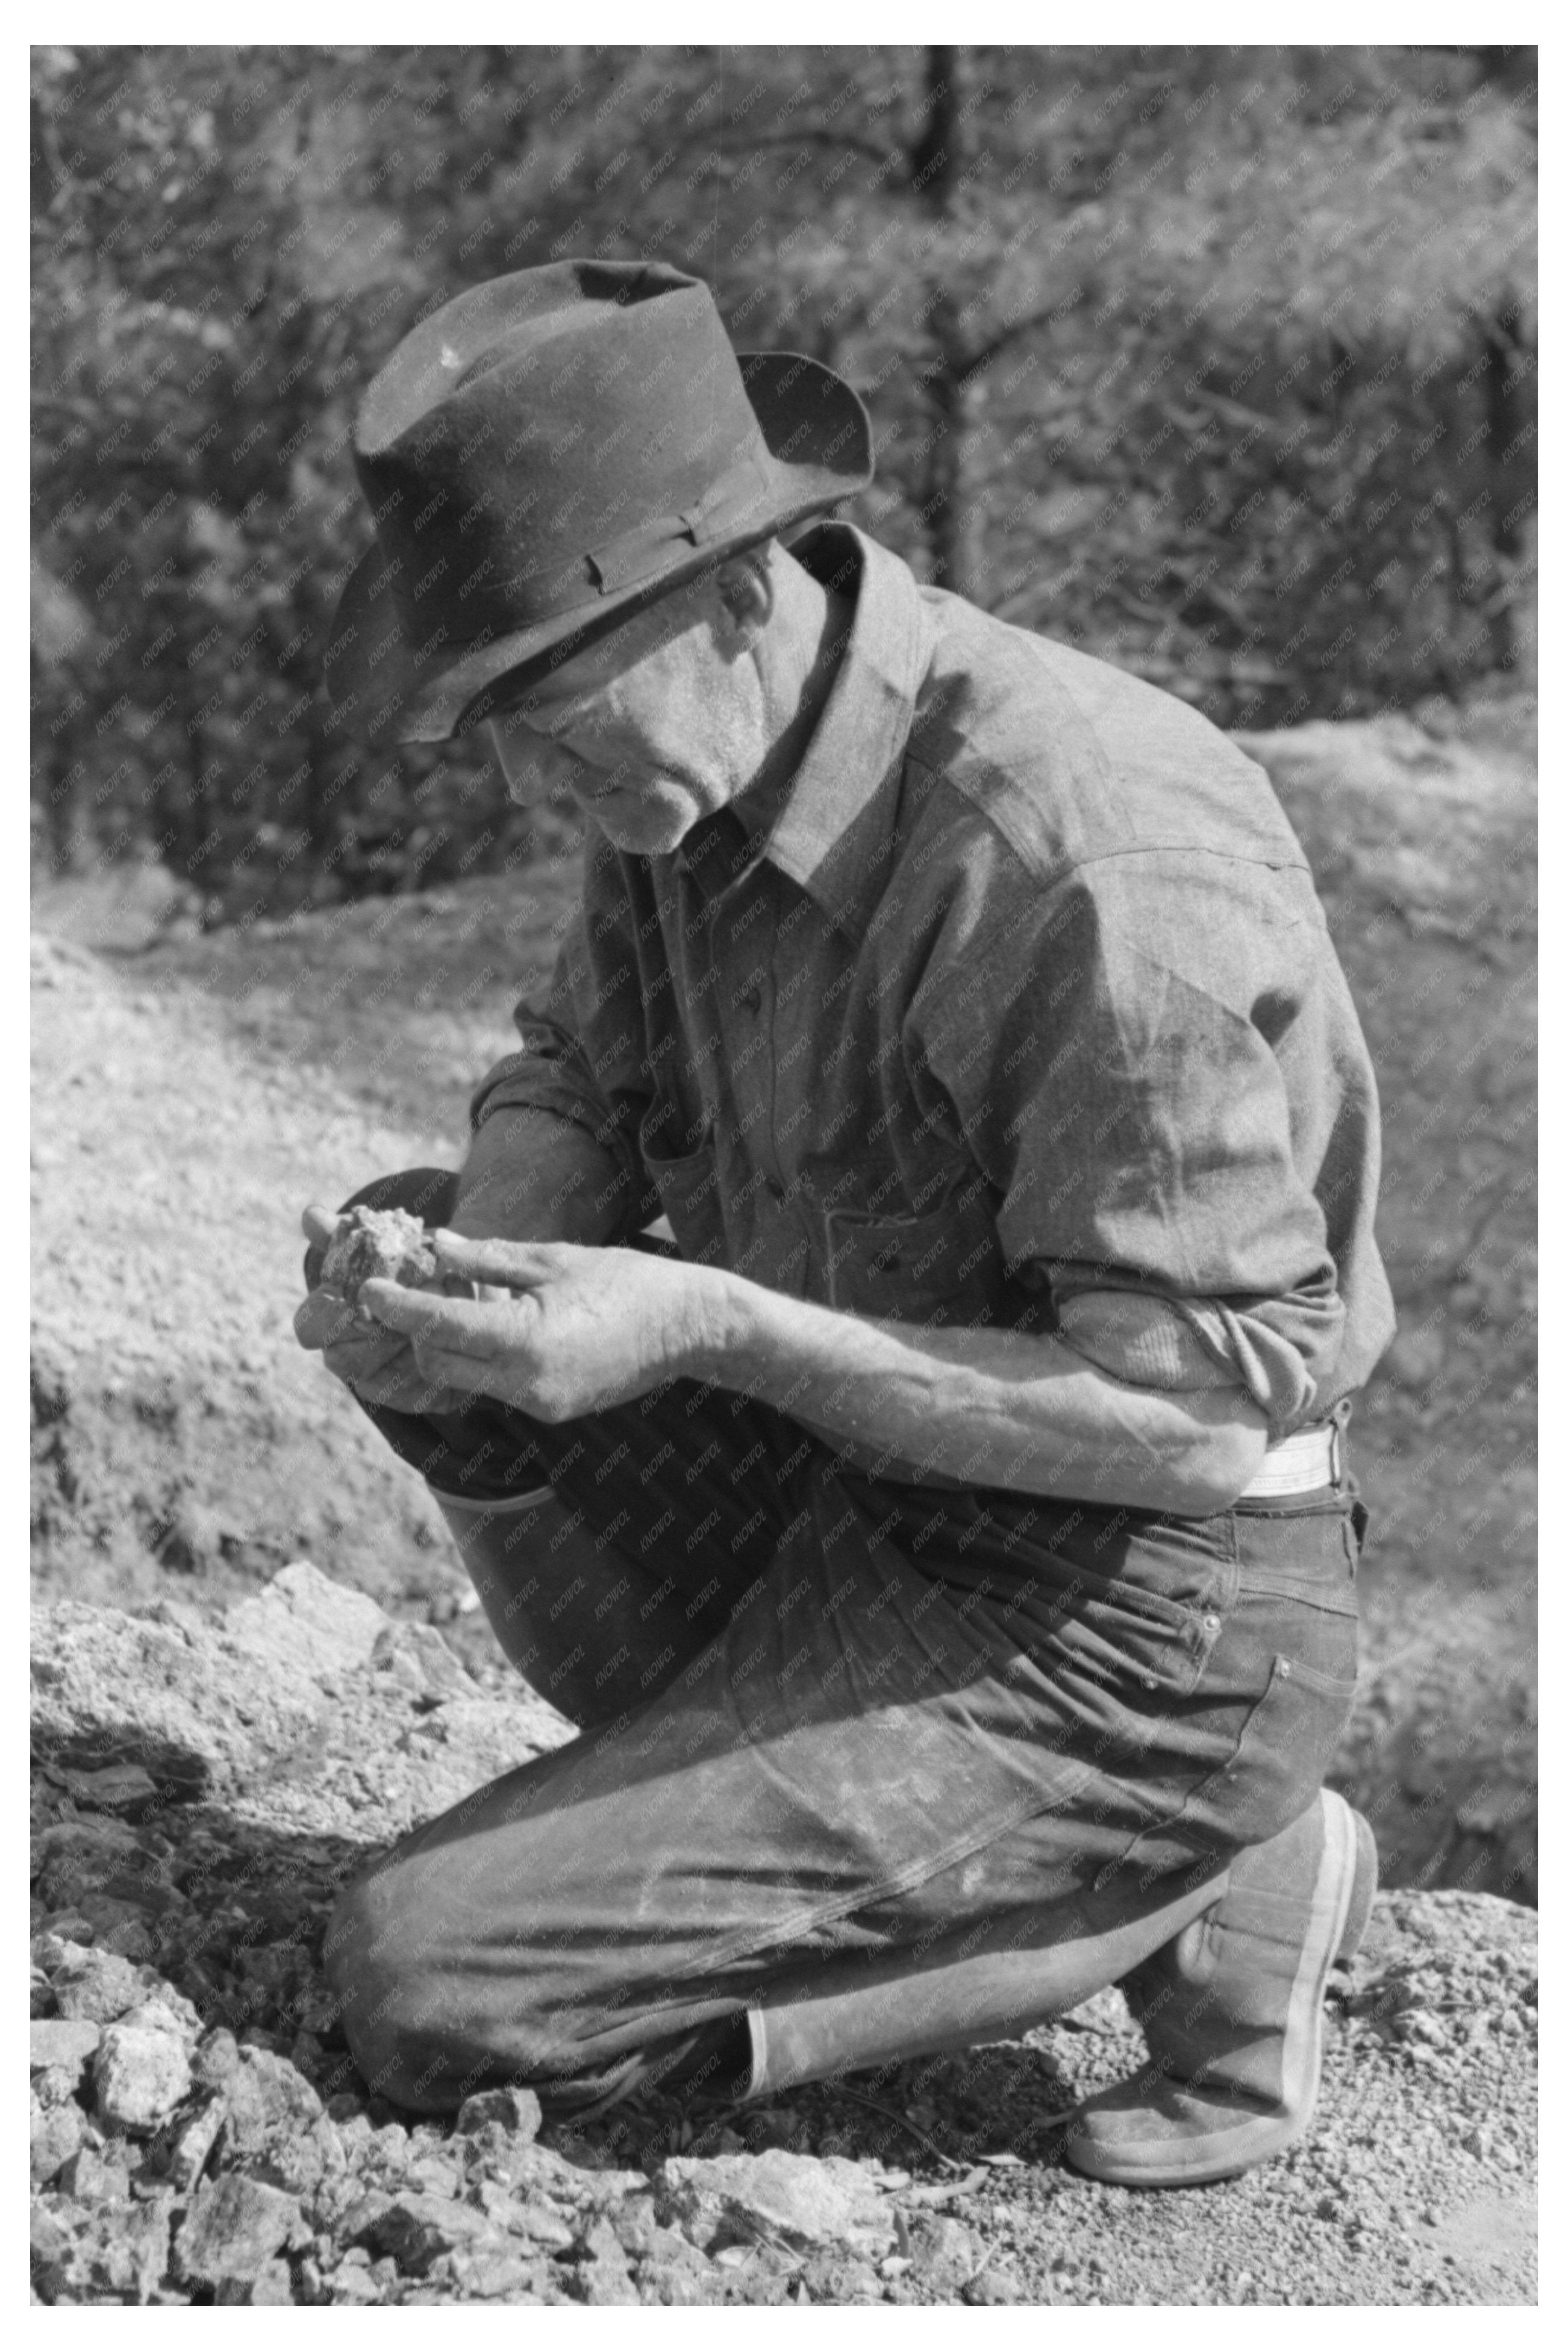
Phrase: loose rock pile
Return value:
(199, 2134)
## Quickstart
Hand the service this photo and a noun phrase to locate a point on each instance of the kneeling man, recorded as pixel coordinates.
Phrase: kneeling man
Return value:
(945, 1544)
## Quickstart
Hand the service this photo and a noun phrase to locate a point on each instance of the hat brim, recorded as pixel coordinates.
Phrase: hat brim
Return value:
(384, 689)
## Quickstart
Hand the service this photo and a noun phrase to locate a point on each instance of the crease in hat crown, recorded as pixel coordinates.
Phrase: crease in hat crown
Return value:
(546, 450)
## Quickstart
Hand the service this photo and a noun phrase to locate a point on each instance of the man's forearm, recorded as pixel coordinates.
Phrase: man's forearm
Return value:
(533, 1175)
(987, 1407)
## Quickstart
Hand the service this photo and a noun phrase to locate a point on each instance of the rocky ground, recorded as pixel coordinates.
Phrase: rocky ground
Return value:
(200, 1789)
(209, 1765)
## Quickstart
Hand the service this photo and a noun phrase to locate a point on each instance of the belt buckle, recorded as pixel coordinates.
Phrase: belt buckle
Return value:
(1336, 1446)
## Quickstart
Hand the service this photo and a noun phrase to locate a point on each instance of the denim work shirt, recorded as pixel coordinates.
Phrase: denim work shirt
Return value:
(1015, 1006)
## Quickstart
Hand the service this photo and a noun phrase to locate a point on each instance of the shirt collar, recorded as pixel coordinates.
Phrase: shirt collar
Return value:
(828, 825)
(833, 832)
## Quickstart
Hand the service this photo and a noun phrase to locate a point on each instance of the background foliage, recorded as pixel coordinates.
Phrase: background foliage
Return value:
(1219, 363)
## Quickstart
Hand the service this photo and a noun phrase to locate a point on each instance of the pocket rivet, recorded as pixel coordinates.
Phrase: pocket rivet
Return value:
(1211, 1624)
(1284, 1666)
(1148, 1681)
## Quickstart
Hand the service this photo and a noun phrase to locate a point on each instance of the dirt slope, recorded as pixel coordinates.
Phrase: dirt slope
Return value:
(178, 1429)
(1424, 849)
(191, 1093)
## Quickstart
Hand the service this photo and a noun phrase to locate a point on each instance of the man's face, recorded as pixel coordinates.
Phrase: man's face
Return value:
(649, 731)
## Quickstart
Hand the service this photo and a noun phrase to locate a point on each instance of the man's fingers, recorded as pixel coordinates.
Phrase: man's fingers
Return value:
(439, 1369)
(511, 1265)
(328, 1325)
(318, 1224)
(464, 1326)
(322, 1319)
(409, 1388)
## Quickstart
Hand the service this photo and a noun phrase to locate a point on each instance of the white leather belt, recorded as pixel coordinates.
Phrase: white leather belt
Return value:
(1298, 1464)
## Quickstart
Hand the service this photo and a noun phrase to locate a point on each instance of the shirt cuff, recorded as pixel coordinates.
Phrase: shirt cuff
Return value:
(523, 1082)
(1185, 1343)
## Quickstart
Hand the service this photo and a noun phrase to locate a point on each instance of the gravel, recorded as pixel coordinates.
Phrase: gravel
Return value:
(199, 2134)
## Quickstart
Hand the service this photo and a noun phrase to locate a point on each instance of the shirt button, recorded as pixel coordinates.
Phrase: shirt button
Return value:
(752, 998)
(775, 1189)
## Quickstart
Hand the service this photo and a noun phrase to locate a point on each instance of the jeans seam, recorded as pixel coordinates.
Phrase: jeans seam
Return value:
(1200, 1788)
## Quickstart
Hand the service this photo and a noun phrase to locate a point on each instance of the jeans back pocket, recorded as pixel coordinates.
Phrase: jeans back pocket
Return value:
(1305, 1554)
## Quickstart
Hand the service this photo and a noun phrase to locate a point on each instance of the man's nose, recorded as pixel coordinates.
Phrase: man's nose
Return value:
(532, 766)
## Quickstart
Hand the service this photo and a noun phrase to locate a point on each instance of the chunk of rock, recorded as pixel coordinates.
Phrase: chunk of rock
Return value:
(54, 2135)
(494, 2273)
(417, 1656)
(415, 2230)
(62, 2043)
(304, 1625)
(271, 2283)
(193, 2144)
(161, 2015)
(87, 1659)
(126, 1790)
(268, 2099)
(541, 2226)
(95, 2177)
(605, 2273)
(96, 1984)
(376, 1245)
(217, 2059)
(602, 2286)
(995, 2286)
(515, 2111)
(140, 2075)
(830, 2277)
(82, 1861)
(115, 1925)
(117, 2255)
(49, 2243)
(233, 2228)
(942, 2249)
(305, 2160)
(809, 2201)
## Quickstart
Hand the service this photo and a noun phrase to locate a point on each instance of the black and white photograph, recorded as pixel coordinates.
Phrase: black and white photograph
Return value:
(782, 1237)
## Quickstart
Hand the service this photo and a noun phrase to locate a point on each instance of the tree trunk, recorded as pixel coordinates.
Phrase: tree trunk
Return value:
(1508, 414)
(949, 520)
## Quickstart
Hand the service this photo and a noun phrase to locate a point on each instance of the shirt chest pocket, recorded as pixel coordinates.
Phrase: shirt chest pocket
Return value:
(944, 1265)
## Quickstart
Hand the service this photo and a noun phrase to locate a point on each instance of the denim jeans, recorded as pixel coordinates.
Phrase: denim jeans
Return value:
(906, 1717)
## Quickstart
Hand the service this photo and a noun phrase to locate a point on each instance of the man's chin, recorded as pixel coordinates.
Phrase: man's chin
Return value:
(647, 819)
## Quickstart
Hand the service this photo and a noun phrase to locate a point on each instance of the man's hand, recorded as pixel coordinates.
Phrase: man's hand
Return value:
(376, 1363)
(582, 1328)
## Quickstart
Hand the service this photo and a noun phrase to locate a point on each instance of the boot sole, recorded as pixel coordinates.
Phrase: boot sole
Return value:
(1362, 1891)
(1166, 2160)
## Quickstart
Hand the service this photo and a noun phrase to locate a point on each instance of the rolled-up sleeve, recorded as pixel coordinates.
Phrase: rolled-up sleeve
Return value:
(582, 1050)
(1133, 1111)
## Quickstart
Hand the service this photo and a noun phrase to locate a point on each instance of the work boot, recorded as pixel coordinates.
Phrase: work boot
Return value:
(1233, 2012)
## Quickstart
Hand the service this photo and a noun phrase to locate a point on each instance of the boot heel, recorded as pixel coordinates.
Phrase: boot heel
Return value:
(1236, 2058)
(1363, 1889)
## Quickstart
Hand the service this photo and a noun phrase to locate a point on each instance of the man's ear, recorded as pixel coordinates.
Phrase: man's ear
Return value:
(747, 592)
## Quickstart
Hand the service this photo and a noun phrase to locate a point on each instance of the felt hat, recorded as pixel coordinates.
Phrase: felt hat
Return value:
(546, 452)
